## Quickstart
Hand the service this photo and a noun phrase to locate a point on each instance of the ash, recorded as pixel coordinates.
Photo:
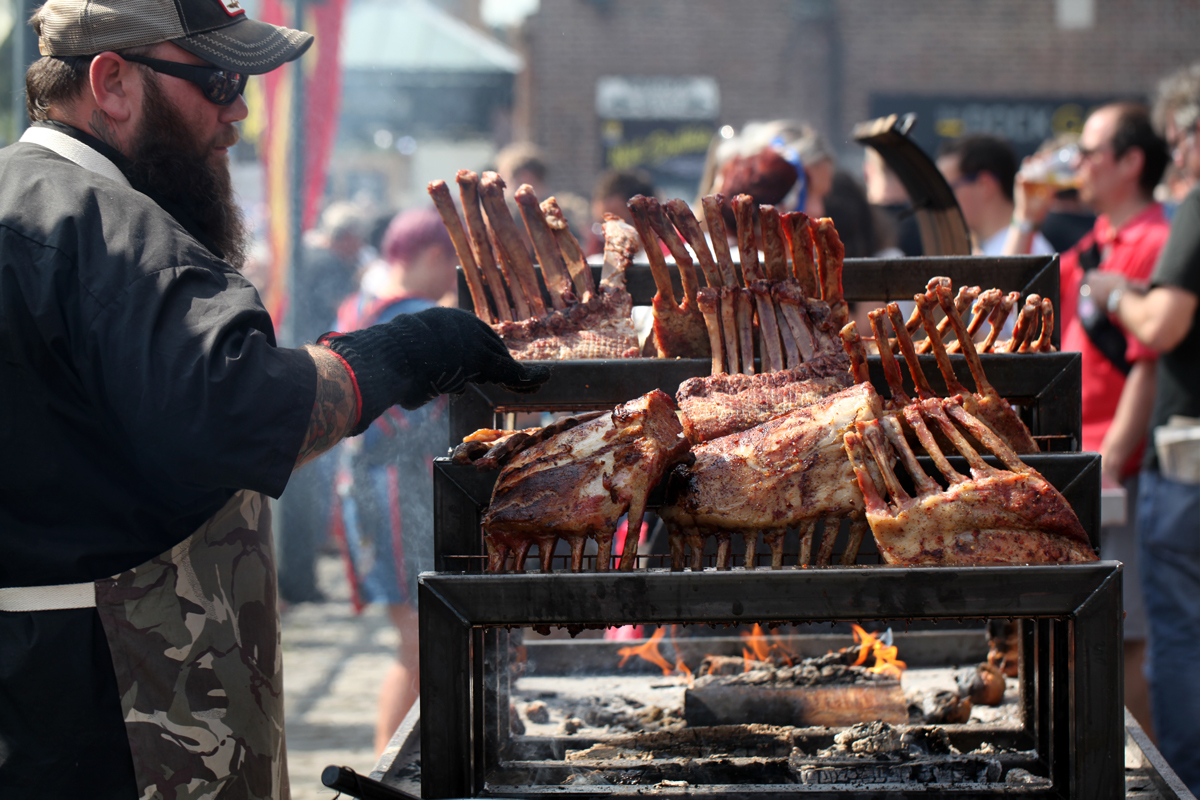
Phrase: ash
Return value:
(599, 705)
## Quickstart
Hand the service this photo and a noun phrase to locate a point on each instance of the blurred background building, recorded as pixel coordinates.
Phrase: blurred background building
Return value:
(426, 87)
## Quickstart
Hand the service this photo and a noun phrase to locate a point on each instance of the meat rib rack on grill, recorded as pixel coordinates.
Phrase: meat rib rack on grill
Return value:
(792, 312)
(997, 515)
(1032, 330)
(792, 471)
(985, 403)
(576, 485)
(583, 321)
(788, 472)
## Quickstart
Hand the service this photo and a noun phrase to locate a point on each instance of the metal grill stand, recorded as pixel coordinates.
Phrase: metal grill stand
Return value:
(1070, 669)
(1070, 673)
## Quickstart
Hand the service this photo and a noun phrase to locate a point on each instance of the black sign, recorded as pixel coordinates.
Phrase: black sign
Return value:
(671, 151)
(1026, 122)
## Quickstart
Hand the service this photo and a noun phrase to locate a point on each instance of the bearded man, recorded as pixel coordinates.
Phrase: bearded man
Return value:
(145, 410)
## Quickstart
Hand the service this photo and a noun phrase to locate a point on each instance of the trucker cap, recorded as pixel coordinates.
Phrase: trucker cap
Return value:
(216, 30)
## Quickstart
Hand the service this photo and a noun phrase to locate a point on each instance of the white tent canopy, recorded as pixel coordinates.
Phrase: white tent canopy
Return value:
(415, 36)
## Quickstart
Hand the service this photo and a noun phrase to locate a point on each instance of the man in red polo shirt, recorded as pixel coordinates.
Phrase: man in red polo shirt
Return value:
(1121, 160)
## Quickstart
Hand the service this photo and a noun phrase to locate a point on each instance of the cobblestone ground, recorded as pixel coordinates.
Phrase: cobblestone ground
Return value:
(333, 662)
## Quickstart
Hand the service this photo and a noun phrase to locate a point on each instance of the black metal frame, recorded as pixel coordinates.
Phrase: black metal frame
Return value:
(1072, 673)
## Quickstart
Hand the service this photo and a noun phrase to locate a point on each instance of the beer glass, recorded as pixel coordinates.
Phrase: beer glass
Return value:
(1051, 170)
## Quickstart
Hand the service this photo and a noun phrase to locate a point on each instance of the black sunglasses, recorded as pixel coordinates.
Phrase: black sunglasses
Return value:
(219, 86)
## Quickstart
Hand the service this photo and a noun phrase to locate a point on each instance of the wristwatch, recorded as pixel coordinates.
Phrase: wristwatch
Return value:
(1024, 226)
(1114, 300)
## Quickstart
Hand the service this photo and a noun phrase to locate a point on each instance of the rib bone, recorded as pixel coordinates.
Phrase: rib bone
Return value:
(568, 246)
(554, 270)
(468, 187)
(679, 330)
(514, 258)
(462, 248)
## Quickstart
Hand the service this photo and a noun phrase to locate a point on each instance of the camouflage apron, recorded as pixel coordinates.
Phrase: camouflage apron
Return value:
(194, 636)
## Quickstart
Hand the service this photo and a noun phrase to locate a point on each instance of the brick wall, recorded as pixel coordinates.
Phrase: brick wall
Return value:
(820, 60)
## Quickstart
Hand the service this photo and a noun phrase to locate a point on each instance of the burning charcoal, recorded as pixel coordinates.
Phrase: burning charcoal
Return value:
(650, 714)
(722, 665)
(571, 726)
(537, 712)
(673, 722)
(759, 676)
(514, 721)
(599, 717)
(947, 708)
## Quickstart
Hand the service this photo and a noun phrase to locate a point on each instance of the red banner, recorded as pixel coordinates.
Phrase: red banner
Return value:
(321, 94)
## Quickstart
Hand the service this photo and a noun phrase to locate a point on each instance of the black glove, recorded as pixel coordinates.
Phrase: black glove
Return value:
(413, 358)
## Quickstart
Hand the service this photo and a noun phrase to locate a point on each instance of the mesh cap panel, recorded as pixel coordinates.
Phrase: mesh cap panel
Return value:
(87, 27)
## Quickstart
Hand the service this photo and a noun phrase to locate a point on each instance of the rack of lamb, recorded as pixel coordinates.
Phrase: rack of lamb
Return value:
(583, 321)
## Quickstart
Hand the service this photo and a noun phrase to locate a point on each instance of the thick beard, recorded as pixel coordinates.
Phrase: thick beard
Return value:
(171, 164)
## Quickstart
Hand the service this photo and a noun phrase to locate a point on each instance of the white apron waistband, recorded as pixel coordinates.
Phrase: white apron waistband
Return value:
(48, 598)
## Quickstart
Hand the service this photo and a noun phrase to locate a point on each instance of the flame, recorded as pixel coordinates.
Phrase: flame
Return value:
(682, 667)
(758, 644)
(762, 645)
(886, 662)
(648, 651)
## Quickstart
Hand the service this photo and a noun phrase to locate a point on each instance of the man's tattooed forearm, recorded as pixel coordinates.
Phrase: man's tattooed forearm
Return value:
(335, 407)
(102, 129)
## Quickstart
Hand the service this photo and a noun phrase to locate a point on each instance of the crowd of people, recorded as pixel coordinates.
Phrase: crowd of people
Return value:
(140, 369)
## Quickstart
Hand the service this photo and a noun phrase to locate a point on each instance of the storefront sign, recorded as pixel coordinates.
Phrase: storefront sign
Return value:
(662, 125)
(1026, 122)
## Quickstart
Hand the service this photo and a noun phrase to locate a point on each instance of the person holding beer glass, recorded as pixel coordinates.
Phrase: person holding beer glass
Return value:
(1120, 160)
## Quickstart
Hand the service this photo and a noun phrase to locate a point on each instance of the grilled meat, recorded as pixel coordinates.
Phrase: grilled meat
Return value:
(722, 404)
(1031, 332)
(1010, 515)
(790, 471)
(791, 310)
(577, 484)
(584, 321)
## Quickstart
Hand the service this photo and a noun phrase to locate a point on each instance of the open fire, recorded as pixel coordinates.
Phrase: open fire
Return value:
(767, 648)
(761, 707)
